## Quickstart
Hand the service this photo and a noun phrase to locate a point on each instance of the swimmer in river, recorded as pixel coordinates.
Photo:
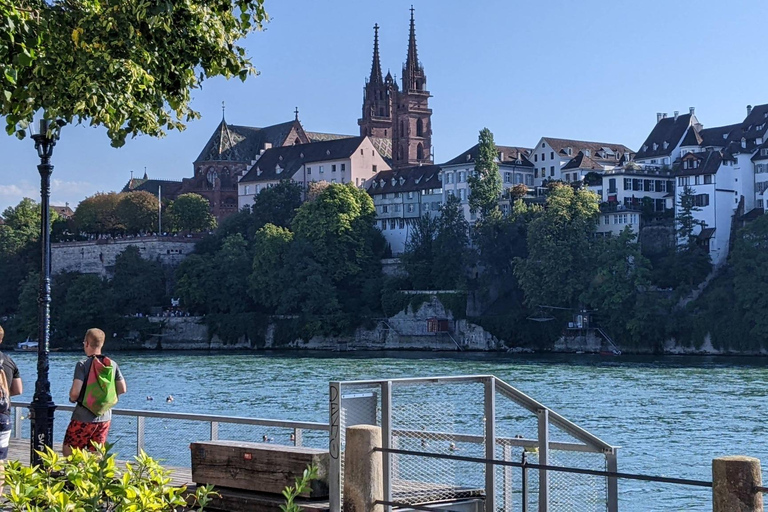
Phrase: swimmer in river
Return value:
(169, 399)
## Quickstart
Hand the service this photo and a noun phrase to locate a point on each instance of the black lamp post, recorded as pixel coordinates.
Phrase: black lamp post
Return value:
(41, 410)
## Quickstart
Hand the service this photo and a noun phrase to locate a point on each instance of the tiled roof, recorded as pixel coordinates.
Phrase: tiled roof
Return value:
(407, 179)
(384, 146)
(714, 136)
(581, 161)
(709, 163)
(322, 137)
(706, 233)
(668, 130)
(595, 148)
(289, 159)
(754, 125)
(758, 154)
(170, 188)
(510, 154)
(63, 211)
(752, 214)
(242, 143)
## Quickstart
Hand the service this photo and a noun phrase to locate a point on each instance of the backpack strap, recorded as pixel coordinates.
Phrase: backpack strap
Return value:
(85, 380)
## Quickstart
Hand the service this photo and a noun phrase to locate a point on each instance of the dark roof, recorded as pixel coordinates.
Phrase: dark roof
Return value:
(581, 161)
(752, 214)
(230, 142)
(754, 125)
(407, 179)
(706, 233)
(170, 188)
(291, 158)
(63, 211)
(595, 148)
(709, 163)
(322, 137)
(510, 154)
(758, 155)
(713, 137)
(669, 130)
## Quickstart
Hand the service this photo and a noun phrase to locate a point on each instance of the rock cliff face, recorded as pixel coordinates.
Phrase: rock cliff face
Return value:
(407, 330)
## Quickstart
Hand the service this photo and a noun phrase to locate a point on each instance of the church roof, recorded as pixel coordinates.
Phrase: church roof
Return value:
(281, 163)
(231, 142)
(170, 188)
(407, 179)
(384, 146)
(509, 156)
(321, 137)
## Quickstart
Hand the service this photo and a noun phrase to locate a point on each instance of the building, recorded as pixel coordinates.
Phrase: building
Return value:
(664, 144)
(399, 115)
(550, 156)
(351, 160)
(515, 168)
(401, 196)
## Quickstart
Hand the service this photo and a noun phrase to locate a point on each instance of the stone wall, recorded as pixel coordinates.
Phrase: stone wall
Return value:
(98, 256)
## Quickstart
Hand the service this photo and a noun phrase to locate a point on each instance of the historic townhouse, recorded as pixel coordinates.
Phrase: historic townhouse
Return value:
(550, 156)
(515, 168)
(403, 195)
(663, 146)
(354, 160)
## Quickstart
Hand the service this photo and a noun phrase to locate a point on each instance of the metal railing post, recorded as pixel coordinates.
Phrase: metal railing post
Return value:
(524, 483)
(543, 459)
(297, 437)
(17, 415)
(334, 446)
(139, 434)
(490, 443)
(507, 478)
(612, 465)
(214, 431)
(386, 439)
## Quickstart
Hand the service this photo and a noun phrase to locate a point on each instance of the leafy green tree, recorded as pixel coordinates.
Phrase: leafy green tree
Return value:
(485, 183)
(685, 220)
(276, 205)
(138, 284)
(127, 65)
(271, 272)
(194, 278)
(419, 255)
(97, 214)
(137, 212)
(560, 260)
(749, 260)
(451, 247)
(191, 213)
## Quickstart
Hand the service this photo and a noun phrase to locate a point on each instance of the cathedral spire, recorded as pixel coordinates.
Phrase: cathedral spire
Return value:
(412, 71)
(376, 65)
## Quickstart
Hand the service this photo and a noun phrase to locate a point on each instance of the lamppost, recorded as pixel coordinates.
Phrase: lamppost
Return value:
(41, 410)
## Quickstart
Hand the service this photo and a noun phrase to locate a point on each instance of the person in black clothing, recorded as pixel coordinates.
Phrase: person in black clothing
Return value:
(10, 385)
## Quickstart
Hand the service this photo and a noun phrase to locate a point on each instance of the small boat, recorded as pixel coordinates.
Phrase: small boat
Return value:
(27, 346)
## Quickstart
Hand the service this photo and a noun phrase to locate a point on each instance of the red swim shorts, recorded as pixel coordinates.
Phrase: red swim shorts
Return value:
(80, 435)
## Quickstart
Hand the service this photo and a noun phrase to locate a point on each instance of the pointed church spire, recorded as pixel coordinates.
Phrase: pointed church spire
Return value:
(412, 70)
(223, 108)
(376, 65)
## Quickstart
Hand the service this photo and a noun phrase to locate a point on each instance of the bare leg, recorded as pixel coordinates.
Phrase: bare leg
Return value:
(66, 450)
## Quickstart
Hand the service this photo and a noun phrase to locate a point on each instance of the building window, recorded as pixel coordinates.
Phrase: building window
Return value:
(333, 167)
(384, 208)
(606, 220)
(507, 177)
(392, 223)
(535, 157)
(760, 203)
(333, 180)
(343, 167)
(462, 176)
(448, 178)
(419, 152)
(701, 200)
(552, 155)
(463, 194)
(552, 171)
(309, 170)
(419, 128)
(529, 180)
(401, 223)
(384, 225)
(707, 179)
(374, 168)
(535, 173)
(612, 186)
(410, 208)
(397, 208)
(543, 157)
(321, 170)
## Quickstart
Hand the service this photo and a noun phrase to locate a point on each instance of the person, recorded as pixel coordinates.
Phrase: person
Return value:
(10, 385)
(85, 427)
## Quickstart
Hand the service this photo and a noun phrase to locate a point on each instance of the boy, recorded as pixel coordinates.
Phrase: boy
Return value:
(85, 427)
(13, 381)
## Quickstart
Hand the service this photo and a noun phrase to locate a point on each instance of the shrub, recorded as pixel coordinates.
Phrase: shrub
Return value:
(91, 481)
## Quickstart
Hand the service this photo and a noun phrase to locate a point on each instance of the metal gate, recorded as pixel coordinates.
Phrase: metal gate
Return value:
(473, 416)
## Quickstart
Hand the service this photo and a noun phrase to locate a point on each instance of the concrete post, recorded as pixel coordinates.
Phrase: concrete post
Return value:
(363, 472)
(733, 483)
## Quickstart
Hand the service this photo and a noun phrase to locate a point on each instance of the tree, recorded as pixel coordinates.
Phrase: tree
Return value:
(419, 255)
(685, 220)
(137, 212)
(191, 213)
(749, 260)
(560, 259)
(451, 248)
(271, 245)
(138, 284)
(276, 205)
(127, 65)
(485, 182)
(97, 214)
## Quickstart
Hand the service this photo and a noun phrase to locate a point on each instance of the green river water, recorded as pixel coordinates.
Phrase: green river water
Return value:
(669, 415)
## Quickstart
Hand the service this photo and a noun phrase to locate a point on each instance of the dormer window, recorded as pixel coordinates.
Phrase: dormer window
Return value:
(401, 180)
(394, 182)
(278, 169)
(328, 152)
(587, 152)
(381, 182)
(258, 171)
(666, 144)
(655, 146)
(569, 151)
(645, 147)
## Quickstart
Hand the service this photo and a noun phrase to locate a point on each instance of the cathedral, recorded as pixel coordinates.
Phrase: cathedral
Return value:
(397, 120)
(401, 115)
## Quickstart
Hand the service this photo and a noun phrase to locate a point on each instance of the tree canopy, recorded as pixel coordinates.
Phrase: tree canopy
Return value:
(485, 182)
(191, 213)
(127, 65)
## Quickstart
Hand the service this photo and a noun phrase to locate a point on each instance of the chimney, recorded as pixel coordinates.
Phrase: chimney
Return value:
(692, 110)
(749, 109)
(664, 115)
(676, 114)
(658, 116)
(267, 145)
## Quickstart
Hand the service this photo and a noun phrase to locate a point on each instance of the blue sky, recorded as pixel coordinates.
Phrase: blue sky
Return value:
(590, 70)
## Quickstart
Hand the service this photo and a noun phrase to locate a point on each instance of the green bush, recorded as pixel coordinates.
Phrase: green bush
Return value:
(91, 481)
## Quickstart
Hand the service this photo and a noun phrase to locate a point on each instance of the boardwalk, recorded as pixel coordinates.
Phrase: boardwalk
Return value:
(19, 450)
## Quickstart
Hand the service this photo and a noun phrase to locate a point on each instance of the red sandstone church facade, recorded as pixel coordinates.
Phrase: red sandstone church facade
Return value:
(397, 120)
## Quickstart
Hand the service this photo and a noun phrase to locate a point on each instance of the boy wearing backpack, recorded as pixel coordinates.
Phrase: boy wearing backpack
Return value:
(95, 387)
(10, 385)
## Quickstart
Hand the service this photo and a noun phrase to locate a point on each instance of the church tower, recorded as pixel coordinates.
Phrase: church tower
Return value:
(378, 97)
(412, 141)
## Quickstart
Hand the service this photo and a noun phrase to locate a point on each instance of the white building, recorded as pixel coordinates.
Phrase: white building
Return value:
(514, 167)
(350, 160)
(664, 144)
(551, 155)
(400, 197)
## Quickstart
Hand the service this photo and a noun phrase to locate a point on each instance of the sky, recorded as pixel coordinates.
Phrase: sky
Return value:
(595, 70)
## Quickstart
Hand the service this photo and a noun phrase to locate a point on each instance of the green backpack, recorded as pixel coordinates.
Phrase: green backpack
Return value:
(98, 394)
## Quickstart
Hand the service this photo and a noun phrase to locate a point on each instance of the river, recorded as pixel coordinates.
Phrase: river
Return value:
(670, 415)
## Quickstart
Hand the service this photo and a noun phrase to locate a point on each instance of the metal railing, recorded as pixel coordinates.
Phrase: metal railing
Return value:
(404, 407)
(214, 422)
